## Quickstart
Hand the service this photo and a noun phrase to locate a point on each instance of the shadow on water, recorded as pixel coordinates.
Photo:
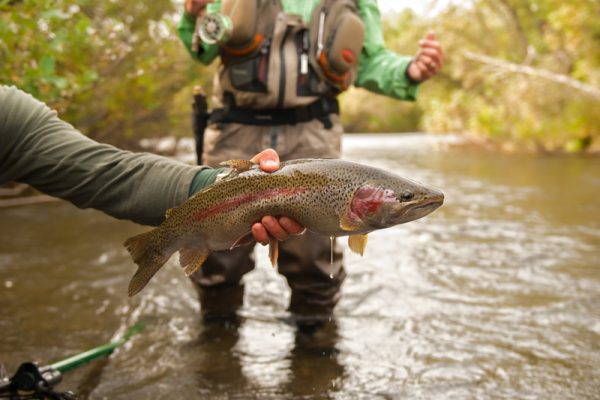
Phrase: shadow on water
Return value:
(496, 295)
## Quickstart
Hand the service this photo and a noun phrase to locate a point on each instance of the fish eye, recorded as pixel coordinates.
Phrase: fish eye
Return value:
(407, 195)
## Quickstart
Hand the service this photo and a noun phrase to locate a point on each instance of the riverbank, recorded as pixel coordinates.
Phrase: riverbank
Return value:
(183, 148)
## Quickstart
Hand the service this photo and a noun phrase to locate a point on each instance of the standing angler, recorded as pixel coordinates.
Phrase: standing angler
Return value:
(329, 197)
(282, 64)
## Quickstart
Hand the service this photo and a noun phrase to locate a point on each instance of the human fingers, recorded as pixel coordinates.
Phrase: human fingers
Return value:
(430, 39)
(291, 226)
(273, 228)
(430, 35)
(268, 160)
(260, 234)
(194, 7)
(433, 46)
(430, 64)
(436, 55)
(279, 228)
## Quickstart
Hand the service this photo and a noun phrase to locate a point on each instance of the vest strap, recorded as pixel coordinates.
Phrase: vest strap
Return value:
(320, 109)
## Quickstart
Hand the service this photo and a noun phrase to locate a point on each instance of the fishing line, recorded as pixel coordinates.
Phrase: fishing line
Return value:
(331, 240)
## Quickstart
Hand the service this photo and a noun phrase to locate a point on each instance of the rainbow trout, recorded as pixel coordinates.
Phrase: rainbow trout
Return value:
(329, 197)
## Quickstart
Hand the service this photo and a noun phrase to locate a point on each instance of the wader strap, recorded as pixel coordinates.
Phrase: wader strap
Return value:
(320, 110)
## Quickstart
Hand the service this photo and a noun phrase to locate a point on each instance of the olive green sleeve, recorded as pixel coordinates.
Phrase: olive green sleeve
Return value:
(380, 70)
(185, 31)
(38, 148)
(205, 177)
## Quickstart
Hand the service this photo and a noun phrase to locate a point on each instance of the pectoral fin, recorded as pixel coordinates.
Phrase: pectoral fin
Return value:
(192, 258)
(242, 241)
(358, 243)
(273, 251)
(347, 224)
(238, 165)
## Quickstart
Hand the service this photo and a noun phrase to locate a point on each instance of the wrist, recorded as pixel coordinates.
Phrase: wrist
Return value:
(189, 17)
(407, 75)
(193, 10)
(204, 177)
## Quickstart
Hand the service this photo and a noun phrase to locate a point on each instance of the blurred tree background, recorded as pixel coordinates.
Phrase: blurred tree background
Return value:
(520, 74)
(114, 69)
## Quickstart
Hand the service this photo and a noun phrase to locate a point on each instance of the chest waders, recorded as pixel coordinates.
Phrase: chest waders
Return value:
(276, 87)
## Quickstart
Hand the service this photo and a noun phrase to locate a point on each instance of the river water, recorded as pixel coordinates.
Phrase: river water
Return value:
(496, 295)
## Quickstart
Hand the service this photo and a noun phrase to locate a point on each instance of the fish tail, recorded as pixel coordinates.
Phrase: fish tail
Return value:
(148, 256)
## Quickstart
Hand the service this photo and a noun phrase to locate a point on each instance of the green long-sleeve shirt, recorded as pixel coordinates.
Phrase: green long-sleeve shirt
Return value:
(380, 70)
(38, 148)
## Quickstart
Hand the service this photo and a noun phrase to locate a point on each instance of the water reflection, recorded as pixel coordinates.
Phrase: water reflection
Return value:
(218, 365)
(229, 357)
(315, 367)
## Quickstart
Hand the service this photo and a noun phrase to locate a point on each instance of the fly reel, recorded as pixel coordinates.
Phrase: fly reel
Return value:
(215, 28)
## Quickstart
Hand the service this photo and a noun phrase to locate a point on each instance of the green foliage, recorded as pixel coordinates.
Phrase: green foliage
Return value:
(505, 105)
(110, 68)
(39, 48)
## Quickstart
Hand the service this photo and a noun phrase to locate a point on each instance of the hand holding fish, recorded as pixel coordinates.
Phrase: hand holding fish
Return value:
(270, 227)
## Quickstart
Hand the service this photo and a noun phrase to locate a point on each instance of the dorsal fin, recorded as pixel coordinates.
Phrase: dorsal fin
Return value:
(238, 165)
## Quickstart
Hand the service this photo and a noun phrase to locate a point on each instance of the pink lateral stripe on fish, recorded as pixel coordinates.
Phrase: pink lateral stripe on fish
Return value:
(231, 204)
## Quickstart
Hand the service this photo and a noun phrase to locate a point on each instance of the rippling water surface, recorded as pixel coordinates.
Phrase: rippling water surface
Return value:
(494, 296)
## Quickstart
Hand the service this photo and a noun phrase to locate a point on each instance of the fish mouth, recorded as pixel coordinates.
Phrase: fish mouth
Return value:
(420, 208)
(428, 204)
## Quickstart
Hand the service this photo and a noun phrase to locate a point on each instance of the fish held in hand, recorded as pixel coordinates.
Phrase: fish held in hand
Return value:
(329, 197)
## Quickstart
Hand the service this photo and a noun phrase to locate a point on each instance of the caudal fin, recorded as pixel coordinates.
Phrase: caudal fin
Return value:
(147, 256)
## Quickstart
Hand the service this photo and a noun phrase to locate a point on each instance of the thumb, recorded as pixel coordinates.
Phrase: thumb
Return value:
(430, 35)
(268, 160)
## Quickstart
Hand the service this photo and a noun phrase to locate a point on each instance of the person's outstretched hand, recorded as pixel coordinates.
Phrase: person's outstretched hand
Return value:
(429, 59)
(196, 7)
(278, 228)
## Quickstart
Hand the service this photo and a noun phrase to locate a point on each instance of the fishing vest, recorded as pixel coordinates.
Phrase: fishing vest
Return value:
(274, 60)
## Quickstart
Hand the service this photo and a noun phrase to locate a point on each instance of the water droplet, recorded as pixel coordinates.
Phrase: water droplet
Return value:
(8, 284)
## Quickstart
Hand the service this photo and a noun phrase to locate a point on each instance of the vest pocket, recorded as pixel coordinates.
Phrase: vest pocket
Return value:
(251, 75)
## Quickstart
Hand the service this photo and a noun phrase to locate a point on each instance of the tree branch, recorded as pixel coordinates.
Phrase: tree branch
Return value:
(565, 80)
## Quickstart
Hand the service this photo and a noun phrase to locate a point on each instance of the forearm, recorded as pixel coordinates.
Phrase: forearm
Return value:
(38, 148)
(380, 70)
(384, 72)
